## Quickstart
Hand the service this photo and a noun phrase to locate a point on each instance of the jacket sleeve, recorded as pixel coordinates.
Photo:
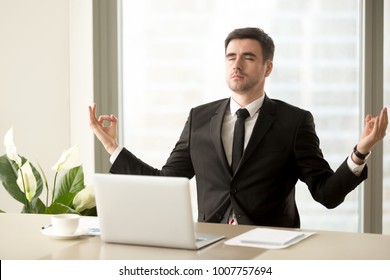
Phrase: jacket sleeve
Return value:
(178, 164)
(326, 186)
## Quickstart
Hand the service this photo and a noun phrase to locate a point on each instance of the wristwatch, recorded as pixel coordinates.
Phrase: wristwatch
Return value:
(360, 155)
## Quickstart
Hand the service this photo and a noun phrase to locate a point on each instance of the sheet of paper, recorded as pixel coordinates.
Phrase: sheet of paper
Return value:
(91, 224)
(268, 238)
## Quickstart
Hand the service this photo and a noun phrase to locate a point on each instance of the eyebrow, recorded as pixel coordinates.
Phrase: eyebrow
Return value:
(243, 54)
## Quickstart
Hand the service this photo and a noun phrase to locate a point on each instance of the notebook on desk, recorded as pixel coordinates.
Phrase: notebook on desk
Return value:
(147, 210)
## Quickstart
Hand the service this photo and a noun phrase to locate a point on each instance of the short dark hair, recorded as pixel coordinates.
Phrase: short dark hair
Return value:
(265, 41)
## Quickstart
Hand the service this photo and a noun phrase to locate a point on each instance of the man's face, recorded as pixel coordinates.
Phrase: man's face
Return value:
(245, 69)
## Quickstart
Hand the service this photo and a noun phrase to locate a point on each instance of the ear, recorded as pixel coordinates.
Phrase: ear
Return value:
(269, 65)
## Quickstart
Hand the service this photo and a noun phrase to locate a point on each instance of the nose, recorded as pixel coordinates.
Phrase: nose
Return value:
(237, 64)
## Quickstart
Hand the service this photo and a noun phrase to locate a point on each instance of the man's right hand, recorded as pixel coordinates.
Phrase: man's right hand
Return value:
(105, 129)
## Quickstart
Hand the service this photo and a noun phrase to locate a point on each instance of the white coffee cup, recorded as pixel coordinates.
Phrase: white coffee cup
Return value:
(65, 224)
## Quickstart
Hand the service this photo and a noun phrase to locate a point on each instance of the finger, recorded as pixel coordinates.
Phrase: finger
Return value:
(92, 110)
(384, 117)
(368, 118)
(370, 123)
(383, 122)
(114, 119)
(92, 115)
(381, 119)
(379, 130)
(103, 118)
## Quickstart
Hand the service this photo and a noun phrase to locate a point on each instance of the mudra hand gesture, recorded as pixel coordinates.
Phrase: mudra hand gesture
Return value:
(105, 128)
(374, 131)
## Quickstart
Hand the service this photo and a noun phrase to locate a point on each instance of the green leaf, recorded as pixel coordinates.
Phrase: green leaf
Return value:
(89, 212)
(37, 206)
(71, 182)
(8, 176)
(58, 208)
(66, 199)
(40, 182)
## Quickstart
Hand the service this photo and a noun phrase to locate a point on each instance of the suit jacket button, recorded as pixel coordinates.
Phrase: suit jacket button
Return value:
(233, 190)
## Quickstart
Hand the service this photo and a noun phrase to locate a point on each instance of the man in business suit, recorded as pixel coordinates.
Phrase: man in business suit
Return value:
(280, 147)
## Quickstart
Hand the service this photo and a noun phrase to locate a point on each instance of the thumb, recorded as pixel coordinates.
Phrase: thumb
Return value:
(113, 118)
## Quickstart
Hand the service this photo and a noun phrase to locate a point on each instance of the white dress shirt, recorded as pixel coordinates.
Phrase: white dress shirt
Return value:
(230, 119)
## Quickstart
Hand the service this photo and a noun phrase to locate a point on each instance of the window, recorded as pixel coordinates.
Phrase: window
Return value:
(173, 60)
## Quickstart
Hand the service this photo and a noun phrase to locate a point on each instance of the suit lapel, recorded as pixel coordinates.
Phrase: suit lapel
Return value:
(215, 132)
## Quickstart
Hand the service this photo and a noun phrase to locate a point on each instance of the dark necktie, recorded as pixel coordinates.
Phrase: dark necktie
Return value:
(238, 137)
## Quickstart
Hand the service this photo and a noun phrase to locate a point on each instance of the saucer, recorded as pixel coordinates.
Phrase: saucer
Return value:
(50, 231)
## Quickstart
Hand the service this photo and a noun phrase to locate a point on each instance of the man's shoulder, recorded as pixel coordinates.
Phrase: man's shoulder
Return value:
(213, 105)
(284, 106)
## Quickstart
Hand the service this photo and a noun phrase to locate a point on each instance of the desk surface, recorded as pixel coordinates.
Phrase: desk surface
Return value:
(20, 238)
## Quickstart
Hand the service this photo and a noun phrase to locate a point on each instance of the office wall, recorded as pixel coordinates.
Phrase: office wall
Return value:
(81, 81)
(39, 96)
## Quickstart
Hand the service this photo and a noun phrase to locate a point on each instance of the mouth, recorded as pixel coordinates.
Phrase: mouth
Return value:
(236, 76)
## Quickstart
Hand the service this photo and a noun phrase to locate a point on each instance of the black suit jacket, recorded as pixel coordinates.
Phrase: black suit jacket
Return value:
(283, 148)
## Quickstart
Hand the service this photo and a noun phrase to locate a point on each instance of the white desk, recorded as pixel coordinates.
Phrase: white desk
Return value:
(20, 238)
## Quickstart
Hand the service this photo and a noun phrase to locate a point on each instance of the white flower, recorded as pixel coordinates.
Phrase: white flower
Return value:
(84, 199)
(10, 148)
(26, 181)
(68, 159)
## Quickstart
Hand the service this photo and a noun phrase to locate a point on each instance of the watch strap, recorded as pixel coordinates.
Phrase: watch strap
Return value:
(359, 154)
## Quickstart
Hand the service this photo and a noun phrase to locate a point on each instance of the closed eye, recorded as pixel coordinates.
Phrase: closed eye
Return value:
(250, 56)
(230, 56)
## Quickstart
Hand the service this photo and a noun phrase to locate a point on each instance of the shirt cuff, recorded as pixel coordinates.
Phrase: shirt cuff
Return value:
(115, 154)
(355, 168)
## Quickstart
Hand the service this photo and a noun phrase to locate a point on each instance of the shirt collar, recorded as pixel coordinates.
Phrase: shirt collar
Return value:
(252, 107)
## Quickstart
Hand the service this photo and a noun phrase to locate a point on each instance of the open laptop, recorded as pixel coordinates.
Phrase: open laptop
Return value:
(147, 210)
